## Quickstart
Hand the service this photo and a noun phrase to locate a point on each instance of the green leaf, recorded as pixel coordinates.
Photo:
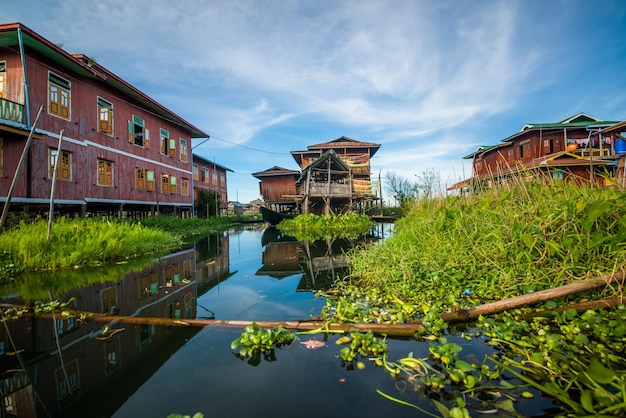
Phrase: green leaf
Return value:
(586, 399)
(599, 373)
(443, 410)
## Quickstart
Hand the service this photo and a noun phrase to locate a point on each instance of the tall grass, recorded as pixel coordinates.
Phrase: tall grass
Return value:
(80, 242)
(500, 243)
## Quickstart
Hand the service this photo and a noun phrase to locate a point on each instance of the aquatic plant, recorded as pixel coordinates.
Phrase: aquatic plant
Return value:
(314, 227)
(452, 254)
(255, 341)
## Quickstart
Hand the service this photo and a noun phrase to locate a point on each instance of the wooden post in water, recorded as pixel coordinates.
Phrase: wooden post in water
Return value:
(7, 204)
(54, 182)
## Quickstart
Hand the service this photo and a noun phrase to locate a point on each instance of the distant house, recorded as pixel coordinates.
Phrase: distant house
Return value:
(122, 154)
(278, 188)
(576, 149)
(333, 177)
(208, 175)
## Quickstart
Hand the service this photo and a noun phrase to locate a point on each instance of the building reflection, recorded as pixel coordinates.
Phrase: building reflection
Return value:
(320, 262)
(65, 366)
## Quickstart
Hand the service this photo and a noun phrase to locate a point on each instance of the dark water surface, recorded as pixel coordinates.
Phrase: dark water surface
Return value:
(115, 369)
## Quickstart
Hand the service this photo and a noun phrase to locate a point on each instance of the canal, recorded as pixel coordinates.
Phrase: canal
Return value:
(66, 366)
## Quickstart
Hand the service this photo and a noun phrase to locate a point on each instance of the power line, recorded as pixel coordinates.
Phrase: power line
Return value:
(247, 147)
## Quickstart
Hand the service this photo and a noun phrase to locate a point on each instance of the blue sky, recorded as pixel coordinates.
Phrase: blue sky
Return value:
(428, 80)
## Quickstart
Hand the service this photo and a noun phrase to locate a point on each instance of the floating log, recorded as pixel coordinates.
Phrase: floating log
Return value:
(398, 330)
(533, 298)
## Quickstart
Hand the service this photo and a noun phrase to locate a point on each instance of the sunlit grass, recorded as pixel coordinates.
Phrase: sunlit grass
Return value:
(80, 242)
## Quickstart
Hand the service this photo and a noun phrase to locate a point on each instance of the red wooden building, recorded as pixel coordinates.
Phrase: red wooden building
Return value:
(208, 175)
(573, 149)
(334, 177)
(122, 152)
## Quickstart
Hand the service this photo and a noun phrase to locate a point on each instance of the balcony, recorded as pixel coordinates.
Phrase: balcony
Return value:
(11, 111)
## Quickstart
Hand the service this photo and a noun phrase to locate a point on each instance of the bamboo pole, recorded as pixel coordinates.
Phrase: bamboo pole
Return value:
(532, 298)
(53, 188)
(398, 330)
(7, 203)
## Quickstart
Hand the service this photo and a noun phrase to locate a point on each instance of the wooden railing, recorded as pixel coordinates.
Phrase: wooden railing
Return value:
(11, 111)
(595, 152)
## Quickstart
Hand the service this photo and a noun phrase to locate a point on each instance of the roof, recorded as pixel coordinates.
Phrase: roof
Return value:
(345, 142)
(275, 171)
(83, 66)
(337, 164)
(618, 127)
(209, 162)
(581, 120)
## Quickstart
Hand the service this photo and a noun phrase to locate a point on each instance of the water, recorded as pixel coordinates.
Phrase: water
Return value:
(147, 370)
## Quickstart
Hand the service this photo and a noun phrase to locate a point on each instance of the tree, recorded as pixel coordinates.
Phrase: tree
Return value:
(206, 203)
(400, 188)
(427, 185)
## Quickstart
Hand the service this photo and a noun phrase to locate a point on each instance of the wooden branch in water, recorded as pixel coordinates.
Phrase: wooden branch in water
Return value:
(532, 298)
(398, 330)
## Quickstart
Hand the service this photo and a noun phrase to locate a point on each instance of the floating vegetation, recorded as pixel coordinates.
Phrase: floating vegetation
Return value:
(314, 227)
(453, 254)
(256, 341)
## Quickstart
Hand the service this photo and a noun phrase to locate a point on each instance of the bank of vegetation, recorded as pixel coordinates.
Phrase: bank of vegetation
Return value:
(454, 273)
(456, 253)
(76, 243)
(313, 227)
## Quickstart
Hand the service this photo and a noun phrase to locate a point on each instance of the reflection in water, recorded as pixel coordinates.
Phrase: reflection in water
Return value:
(96, 359)
(320, 262)
(68, 367)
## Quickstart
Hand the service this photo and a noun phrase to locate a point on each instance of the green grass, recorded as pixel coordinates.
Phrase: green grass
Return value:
(313, 227)
(499, 244)
(79, 242)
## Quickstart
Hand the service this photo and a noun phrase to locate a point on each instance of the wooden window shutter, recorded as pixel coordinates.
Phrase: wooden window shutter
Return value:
(131, 131)
(65, 167)
(146, 140)
(172, 150)
(104, 125)
(53, 93)
(140, 182)
(65, 103)
(101, 173)
(150, 180)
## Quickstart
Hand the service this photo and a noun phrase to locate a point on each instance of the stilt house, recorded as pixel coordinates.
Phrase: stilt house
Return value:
(574, 149)
(122, 152)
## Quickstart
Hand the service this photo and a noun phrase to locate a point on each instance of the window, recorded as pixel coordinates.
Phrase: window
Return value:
(108, 298)
(196, 176)
(137, 133)
(105, 117)
(105, 173)
(65, 164)
(205, 174)
(183, 150)
(3, 69)
(168, 145)
(59, 96)
(223, 179)
(1, 156)
(184, 187)
(68, 383)
(144, 179)
(112, 354)
(214, 176)
(168, 183)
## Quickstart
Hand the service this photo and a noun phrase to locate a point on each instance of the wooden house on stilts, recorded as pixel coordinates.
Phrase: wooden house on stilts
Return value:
(334, 178)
